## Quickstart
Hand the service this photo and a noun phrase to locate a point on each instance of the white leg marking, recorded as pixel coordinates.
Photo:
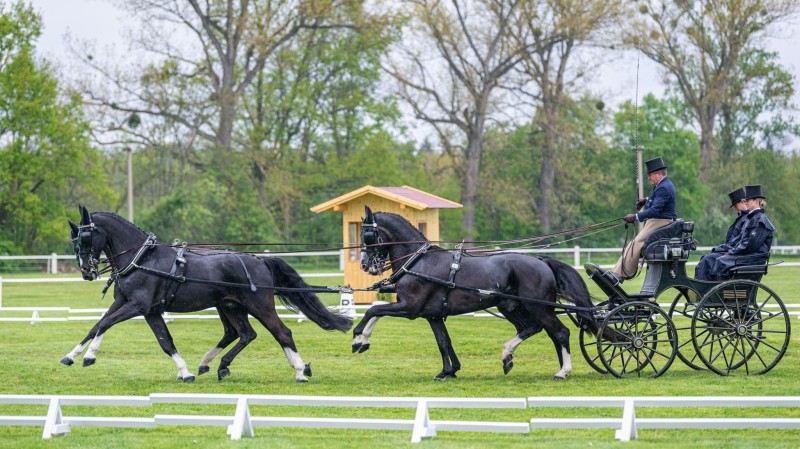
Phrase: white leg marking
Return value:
(566, 367)
(75, 352)
(183, 371)
(213, 352)
(297, 363)
(94, 347)
(369, 328)
(510, 346)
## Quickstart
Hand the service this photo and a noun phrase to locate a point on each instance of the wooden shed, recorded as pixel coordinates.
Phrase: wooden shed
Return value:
(418, 207)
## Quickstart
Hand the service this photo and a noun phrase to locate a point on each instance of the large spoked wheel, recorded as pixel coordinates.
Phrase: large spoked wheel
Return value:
(681, 312)
(741, 324)
(588, 342)
(637, 339)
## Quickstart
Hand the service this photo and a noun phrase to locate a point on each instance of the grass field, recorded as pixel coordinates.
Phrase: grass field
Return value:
(401, 362)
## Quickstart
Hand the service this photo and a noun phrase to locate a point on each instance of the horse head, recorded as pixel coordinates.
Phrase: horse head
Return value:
(374, 254)
(88, 241)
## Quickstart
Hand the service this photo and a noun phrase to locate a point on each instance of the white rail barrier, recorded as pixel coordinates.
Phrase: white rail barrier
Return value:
(626, 426)
(51, 260)
(242, 422)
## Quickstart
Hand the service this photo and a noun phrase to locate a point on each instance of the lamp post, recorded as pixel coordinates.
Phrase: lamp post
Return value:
(130, 183)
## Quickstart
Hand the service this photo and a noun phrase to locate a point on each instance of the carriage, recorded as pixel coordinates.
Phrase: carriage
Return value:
(734, 326)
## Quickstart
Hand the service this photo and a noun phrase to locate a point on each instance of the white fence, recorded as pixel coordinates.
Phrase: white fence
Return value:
(243, 422)
(51, 261)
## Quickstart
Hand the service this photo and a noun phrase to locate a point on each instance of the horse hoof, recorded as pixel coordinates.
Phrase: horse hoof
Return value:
(508, 363)
(67, 361)
(307, 370)
(444, 376)
(558, 378)
(302, 380)
(202, 370)
(88, 362)
(223, 373)
(363, 348)
(187, 379)
(356, 347)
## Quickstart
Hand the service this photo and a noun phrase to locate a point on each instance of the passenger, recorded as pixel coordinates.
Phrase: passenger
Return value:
(659, 210)
(738, 201)
(756, 238)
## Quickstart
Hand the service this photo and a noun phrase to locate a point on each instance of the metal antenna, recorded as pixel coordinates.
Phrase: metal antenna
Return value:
(636, 147)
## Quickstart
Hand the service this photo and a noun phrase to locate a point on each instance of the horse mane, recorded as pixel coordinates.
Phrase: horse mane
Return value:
(116, 216)
(417, 234)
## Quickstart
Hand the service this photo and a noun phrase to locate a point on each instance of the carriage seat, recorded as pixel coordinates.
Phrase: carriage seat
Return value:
(673, 241)
(753, 271)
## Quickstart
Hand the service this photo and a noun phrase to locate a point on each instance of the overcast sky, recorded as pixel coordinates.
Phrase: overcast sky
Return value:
(100, 22)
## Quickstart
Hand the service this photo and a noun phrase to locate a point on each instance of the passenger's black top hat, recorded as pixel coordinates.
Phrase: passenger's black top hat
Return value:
(736, 196)
(753, 191)
(654, 165)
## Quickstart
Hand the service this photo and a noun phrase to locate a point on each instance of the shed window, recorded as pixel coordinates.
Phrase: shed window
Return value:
(354, 240)
(423, 228)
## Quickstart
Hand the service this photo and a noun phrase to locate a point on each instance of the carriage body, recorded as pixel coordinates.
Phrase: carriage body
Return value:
(737, 325)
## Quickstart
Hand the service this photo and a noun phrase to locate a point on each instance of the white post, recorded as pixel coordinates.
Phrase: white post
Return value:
(628, 430)
(1, 292)
(54, 423)
(241, 421)
(423, 427)
(53, 263)
(577, 258)
(347, 305)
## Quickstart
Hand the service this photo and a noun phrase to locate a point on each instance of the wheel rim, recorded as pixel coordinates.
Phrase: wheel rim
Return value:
(588, 342)
(637, 339)
(681, 312)
(747, 328)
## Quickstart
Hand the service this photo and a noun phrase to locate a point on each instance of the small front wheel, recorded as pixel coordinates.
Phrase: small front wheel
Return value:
(637, 339)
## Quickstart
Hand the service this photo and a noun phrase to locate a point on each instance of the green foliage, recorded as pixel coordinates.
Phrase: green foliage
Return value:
(46, 162)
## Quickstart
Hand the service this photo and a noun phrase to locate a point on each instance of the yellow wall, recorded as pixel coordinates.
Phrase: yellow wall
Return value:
(353, 212)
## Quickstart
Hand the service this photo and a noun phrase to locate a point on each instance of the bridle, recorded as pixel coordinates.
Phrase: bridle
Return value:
(373, 247)
(83, 240)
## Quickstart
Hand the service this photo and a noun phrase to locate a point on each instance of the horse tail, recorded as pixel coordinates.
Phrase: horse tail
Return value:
(571, 286)
(304, 301)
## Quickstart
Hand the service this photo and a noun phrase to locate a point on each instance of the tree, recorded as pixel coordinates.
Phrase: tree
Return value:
(700, 44)
(46, 164)
(451, 62)
(556, 31)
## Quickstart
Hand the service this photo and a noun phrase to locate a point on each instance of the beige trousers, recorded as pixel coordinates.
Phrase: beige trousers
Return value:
(627, 264)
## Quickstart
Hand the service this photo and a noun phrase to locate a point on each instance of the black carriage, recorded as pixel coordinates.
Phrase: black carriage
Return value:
(733, 326)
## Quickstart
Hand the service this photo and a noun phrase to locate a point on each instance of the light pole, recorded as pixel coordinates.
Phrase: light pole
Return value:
(130, 183)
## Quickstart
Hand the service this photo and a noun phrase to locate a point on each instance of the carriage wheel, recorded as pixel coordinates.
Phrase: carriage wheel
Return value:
(681, 312)
(588, 342)
(741, 323)
(637, 339)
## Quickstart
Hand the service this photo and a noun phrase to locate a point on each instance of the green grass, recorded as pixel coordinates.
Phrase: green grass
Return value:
(401, 362)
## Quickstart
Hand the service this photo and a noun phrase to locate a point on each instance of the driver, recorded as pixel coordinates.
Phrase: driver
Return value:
(659, 210)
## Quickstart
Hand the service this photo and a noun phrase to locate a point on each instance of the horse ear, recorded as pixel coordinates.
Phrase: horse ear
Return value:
(73, 228)
(85, 217)
(369, 218)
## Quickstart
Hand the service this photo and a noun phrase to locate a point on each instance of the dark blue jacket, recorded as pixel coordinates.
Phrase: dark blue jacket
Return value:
(660, 203)
(756, 236)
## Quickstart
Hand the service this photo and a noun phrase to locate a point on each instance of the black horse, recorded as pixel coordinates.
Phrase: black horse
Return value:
(433, 283)
(152, 279)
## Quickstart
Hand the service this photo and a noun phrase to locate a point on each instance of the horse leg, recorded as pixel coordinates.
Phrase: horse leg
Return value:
(283, 335)
(125, 312)
(559, 334)
(526, 327)
(159, 328)
(228, 336)
(69, 359)
(237, 317)
(361, 340)
(363, 330)
(450, 363)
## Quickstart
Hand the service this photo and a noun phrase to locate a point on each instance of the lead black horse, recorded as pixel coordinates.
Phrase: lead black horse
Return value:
(432, 283)
(152, 279)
